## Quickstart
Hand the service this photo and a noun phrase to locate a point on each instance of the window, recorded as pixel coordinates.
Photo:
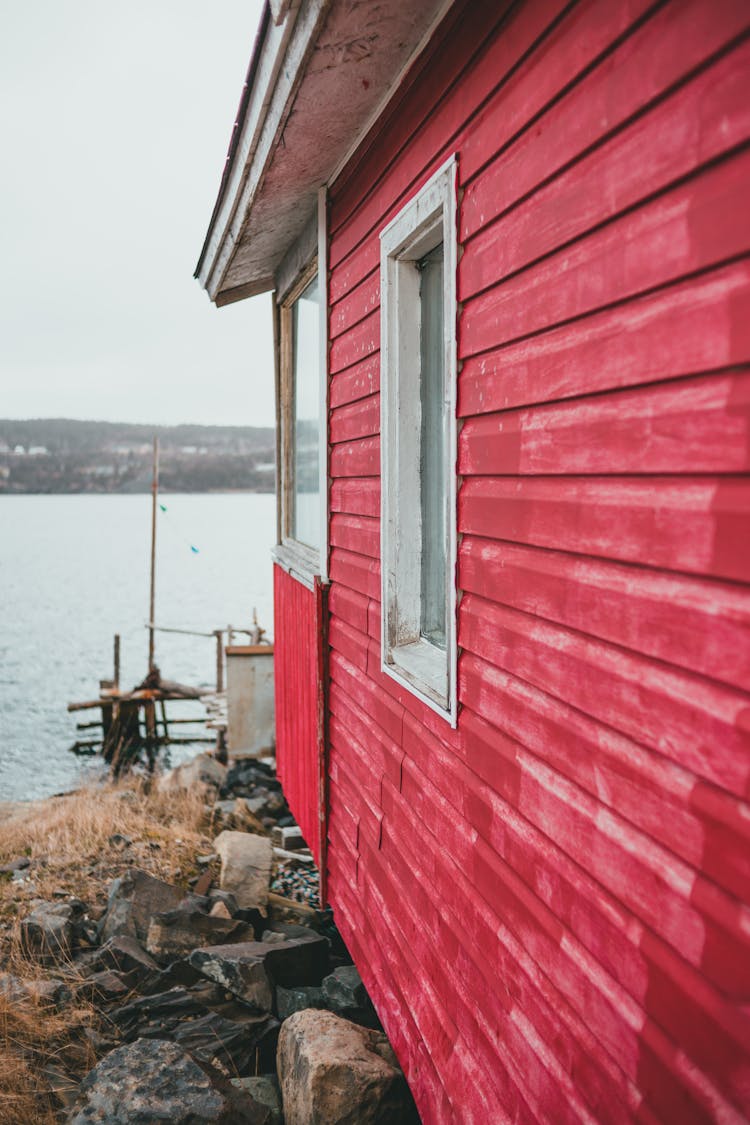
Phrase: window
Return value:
(301, 531)
(418, 443)
(305, 404)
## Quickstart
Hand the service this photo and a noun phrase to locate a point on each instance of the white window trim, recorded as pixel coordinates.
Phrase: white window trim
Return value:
(302, 562)
(417, 665)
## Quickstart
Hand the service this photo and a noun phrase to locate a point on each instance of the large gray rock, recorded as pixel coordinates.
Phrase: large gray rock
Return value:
(178, 932)
(149, 1081)
(333, 1072)
(246, 862)
(203, 771)
(240, 969)
(251, 969)
(47, 934)
(133, 900)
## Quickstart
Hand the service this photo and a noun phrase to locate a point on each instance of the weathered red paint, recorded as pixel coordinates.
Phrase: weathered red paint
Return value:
(298, 633)
(549, 905)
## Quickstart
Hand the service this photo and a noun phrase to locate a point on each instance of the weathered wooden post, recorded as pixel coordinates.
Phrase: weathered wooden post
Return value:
(116, 677)
(219, 633)
(154, 492)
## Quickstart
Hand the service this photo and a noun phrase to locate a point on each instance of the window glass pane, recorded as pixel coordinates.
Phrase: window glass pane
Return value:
(433, 449)
(305, 521)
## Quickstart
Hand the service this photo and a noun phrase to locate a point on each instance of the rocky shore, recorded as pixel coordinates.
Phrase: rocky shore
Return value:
(164, 957)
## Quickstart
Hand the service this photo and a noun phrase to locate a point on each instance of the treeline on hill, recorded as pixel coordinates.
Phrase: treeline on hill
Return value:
(56, 455)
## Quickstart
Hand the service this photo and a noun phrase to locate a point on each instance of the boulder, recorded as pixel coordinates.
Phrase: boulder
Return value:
(333, 1072)
(47, 933)
(134, 898)
(240, 969)
(291, 1000)
(177, 932)
(203, 770)
(246, 862)
(151, 1080)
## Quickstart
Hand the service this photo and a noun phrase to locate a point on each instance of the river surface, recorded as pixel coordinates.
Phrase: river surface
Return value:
(74, 571)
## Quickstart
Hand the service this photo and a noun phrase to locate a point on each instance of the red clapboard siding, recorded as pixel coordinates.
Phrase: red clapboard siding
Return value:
(694, 426)
(698, 122)
(549, 903)
(688, 718)
(355, 383)
(699, 224)
(355, 420)
(356, 533)
(699, 325)
(297, 626)
(701, 626)
(695, 524)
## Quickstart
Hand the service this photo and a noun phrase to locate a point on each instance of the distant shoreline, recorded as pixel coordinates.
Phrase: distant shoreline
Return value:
(141, 492)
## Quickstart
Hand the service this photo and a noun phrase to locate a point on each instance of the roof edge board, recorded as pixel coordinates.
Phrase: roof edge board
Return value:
(279, 69)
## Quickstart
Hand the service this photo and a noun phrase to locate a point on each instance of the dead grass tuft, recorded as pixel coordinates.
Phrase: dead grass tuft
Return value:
(69, 842)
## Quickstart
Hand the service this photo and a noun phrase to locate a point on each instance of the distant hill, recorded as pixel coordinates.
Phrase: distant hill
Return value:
(46, 455)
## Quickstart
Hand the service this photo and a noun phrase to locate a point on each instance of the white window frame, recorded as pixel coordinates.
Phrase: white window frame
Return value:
(430, 217)
(303, 562)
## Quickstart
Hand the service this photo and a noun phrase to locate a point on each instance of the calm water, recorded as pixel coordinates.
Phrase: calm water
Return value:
(74, 571)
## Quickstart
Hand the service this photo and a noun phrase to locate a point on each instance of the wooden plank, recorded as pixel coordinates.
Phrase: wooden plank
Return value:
(349, 606)
(702, 324)
(346, 640)
(385, 754)
(362, 341)
(356, 533)
(695, 624)
(688, 426)
(358, 303)
(355, 420)
(355, 382)
(386, 712)
(357, 573)
(699, 724)
(697, 225)
(698, 525)
(356, 496)
(356, 458)
(622, 85)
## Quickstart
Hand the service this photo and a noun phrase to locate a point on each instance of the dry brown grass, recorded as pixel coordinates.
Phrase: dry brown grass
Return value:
(67, 840)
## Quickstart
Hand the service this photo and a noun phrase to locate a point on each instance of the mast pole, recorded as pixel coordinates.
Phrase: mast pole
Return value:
(154, 493)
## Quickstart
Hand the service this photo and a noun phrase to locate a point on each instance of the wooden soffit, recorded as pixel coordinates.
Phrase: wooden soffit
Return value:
(320, 73)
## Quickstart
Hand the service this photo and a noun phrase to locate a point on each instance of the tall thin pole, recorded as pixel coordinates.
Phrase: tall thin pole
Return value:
(154, 493)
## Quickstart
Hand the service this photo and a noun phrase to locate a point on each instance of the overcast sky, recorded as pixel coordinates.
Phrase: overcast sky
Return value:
(114, 121)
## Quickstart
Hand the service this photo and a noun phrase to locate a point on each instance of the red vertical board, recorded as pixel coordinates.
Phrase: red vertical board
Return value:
(298, 680)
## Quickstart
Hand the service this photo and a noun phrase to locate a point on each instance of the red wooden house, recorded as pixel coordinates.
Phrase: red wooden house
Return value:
(508, 244)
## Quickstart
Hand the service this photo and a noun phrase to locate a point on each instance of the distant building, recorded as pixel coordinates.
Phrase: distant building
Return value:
(38, 451)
